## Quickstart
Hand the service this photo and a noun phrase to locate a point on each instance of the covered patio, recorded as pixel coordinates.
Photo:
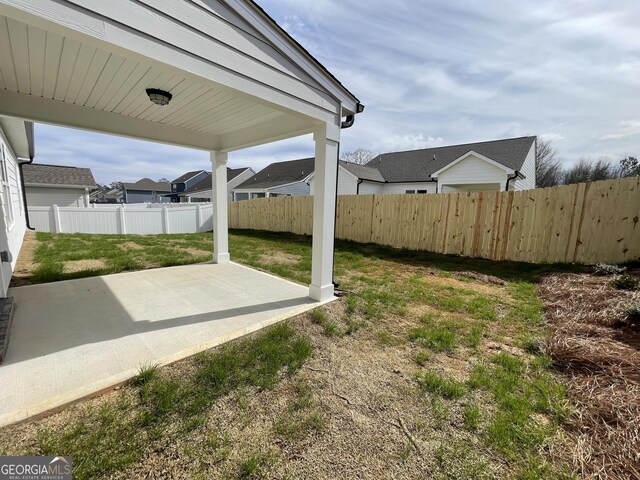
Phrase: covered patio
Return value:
(74, 338)
(205, 74)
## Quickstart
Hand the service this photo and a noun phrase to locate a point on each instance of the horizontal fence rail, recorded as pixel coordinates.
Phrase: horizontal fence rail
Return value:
(141, 219)
(581, 223)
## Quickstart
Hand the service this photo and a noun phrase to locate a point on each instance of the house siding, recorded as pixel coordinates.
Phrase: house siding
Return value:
(472, 171)
(11, 233)
(294, 189)
(370, 188)
(347, 183)
(141, 196)
(528, 170)
(430, 187)
(47, 196)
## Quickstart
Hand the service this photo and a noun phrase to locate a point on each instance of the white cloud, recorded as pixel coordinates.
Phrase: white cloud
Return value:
(627, 128)
(438, 72)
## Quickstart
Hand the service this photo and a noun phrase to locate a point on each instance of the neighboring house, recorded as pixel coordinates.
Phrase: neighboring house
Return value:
(16, 141)
(146, 190)
(278, 179)
(186, 181)
(201, 192)
(107, 195)
(64, 186)
(494, 166)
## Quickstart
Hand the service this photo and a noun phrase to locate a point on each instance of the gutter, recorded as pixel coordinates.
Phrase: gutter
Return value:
(32, 155)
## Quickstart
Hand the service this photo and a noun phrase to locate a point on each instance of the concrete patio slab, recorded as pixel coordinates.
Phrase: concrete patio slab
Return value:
(74, 338)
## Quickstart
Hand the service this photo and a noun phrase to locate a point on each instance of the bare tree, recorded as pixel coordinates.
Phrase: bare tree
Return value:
(359, 156)
(163, 180)
(588, 171)
(629, 167)
(548, 165)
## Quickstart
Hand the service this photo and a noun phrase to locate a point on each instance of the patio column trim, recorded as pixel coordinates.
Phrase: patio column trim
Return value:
(219, 199)
(327, 140)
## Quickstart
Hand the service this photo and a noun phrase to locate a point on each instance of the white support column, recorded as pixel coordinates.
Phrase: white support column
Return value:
(327, 139)
(219, 200)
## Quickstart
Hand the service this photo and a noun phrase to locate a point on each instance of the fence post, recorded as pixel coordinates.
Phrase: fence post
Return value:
(165, 219)
(198, 217)
(56, 219)
(123, 227)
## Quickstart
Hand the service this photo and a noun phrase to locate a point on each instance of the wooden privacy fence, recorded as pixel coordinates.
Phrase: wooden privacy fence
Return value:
(582, 223)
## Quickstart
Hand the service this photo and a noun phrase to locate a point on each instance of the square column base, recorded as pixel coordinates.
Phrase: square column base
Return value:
(221, 258)
(321, 293)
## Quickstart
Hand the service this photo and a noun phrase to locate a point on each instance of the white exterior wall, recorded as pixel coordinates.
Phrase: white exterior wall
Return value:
(390, 188)
(528, 170)
(47, 196)
(370, 188)
(244, 176)
(347, 183)
(11, 231)
(472, 171)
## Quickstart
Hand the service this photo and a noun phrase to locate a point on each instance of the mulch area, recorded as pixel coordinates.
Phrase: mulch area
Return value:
(595, 343)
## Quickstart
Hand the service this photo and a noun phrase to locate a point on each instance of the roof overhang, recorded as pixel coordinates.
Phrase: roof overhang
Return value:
(236, 78)
(19, 135)
(471, 153)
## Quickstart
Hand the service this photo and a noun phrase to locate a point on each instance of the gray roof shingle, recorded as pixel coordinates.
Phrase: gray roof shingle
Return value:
(44, 174)
(362, 171)
(148, 185)
(205, 183)
(418, 165)
(280, 173)
(186, 176)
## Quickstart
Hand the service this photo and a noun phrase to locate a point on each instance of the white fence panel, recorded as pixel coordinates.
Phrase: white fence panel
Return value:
(207, 217)
(118, 219)
(41, 218)
(86, 220)
(143, 221)
(183, 220)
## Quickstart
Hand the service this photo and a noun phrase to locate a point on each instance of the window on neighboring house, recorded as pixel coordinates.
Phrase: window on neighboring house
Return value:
(422, 191)
(6, 191)
(410, 191)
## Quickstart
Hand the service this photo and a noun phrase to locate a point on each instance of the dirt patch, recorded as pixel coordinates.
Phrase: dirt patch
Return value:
(196, 252)
(599, 348)
(481, 277)
(25, 265)
(73, 266)
(130, 246)
(280, 257)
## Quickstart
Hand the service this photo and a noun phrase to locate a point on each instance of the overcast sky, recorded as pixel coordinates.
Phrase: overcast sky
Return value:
(435, 73)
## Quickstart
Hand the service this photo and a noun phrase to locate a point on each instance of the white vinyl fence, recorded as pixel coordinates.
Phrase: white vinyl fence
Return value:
(138, 219)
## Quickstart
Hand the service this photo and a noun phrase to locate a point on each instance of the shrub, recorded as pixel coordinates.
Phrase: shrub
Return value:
(633, 311)
(608, 269)
(624, 282)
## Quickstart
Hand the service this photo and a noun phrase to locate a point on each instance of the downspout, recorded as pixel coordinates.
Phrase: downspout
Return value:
(358, 186)
(32, 155)
(347, 123)
(515, 175)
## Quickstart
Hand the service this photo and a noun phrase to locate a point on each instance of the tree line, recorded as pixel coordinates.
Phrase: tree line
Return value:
(551, 172)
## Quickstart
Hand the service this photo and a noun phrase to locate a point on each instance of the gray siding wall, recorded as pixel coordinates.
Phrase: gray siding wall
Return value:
(47, 196)
(294, 189)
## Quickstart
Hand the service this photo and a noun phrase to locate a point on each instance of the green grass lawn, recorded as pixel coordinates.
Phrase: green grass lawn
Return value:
(486, 402)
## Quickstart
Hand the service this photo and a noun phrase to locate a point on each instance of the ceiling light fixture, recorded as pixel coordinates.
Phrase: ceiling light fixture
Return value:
(159, 97)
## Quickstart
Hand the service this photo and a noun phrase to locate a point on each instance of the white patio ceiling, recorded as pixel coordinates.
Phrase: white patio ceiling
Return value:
(237, 80)
(87, 65)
